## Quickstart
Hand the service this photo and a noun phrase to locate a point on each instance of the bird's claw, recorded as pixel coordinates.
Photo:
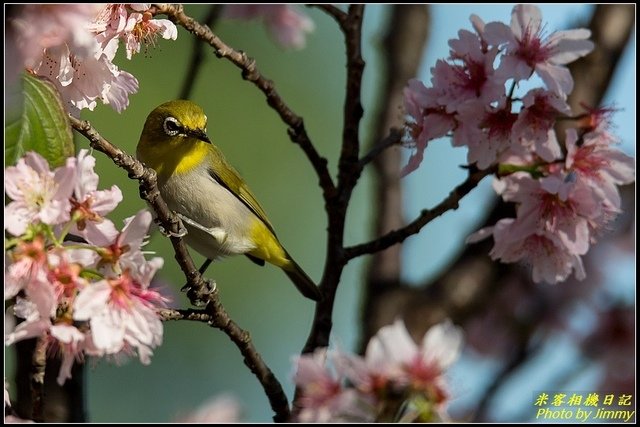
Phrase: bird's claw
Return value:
(201, 298)
(182, 231)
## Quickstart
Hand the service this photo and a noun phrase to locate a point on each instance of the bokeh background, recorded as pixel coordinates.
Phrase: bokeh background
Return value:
(196, 362)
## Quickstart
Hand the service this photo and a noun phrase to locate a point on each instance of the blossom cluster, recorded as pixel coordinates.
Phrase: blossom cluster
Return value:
(395, 381)
(79, 284)
(564, 186)
(74, 46)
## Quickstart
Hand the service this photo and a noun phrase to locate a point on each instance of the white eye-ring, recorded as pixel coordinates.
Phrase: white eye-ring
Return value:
(171, 126)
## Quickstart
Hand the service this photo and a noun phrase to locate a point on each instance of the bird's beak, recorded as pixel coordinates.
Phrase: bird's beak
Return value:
(200, 134)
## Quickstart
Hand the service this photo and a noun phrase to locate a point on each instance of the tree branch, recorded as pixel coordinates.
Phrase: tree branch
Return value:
(394, 138)
(296, 131)
(427, 215)
(348, 166)
(348, 174)
(199, 292)
(332, 11)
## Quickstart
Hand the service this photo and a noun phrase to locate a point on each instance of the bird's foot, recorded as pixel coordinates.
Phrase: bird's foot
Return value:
(182, 231)
(200, 297)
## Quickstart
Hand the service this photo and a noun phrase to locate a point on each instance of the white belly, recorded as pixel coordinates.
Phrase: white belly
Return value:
(211, 205)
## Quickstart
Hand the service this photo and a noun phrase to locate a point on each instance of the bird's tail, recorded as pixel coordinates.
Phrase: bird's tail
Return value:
(302, 281)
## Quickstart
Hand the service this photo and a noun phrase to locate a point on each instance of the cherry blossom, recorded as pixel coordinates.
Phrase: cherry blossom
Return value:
(74, 46)
(549, 259)
(40, 27)
(324, 398)
(122, 251)
(533, 129)
(486, 130)
(38, 194)
(287, 25)
(133, 24)
(426, 120)
(528, 50)
(89, 206)
(121, 313)
(601, 165)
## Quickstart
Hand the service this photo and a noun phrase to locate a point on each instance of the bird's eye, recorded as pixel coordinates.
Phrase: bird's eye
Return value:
(171, 126)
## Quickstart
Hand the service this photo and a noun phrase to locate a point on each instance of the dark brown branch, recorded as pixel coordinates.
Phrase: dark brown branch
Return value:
(296, 131)
(39, 364)
(348, 166)
(332, 11)
(396, 236)
(348, 173)
(199, 290)
(197, 53)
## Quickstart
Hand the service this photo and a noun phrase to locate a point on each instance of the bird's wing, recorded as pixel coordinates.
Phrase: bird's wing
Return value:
(230, 179)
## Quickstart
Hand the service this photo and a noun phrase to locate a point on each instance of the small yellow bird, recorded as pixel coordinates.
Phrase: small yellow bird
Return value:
(221, 215)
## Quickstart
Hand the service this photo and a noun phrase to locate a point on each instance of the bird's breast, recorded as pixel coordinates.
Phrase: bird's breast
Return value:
(202, 199)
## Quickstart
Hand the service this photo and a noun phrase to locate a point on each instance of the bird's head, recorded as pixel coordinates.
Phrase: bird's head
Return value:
(172, 130)
(175, 122)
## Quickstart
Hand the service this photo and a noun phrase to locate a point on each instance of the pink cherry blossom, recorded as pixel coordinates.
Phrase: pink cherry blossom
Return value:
(121, 251)
(528, 50)
(36, 310)
(133, 24)
(469, 75)
(121, 314)
(25, 263)
(84, 81)
(549, 259)
(419, 366)
(533, 130)
(323, 396)
(40, 27)
(38, 194)
(552, 205)
(426, 120)
(486, 130)
(69, 343)
(89, 206)
(596, 125)
(602, 165)
(145, 30)
(59, 43)
(63, 274)
(287, 25)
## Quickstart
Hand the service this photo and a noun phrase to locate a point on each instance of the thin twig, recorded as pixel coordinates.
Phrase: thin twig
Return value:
(199, 291)
(427, 215)
(332, 11)
(394, 137)
(39, 364)
(296, 131)
(197, 55)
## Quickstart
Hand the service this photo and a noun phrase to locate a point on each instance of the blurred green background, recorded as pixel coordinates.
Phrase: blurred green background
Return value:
(195, 361)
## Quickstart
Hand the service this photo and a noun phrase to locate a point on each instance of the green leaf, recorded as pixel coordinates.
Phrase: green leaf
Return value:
(40, 124)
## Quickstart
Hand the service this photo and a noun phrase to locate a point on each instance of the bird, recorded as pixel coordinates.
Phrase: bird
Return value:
(219, 212)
